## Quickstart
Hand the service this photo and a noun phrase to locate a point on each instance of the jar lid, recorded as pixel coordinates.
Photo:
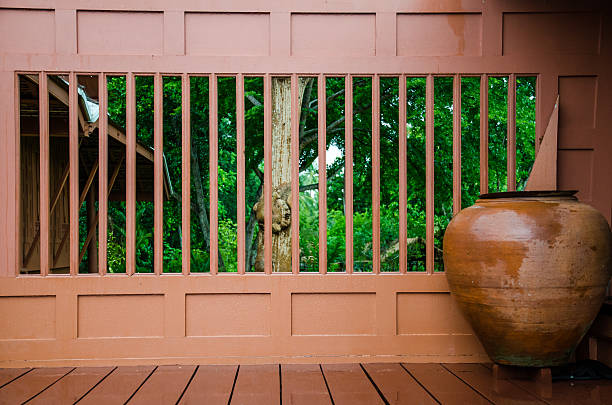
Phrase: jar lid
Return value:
(527, 194)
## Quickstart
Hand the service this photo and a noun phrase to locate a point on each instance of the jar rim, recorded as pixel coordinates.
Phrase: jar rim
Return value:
(527, 194)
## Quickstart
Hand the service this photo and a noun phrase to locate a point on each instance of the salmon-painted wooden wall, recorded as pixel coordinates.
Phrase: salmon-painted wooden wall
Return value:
(251, 318)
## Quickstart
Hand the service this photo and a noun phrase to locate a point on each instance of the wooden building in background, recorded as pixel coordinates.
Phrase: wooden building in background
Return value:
(59, 171)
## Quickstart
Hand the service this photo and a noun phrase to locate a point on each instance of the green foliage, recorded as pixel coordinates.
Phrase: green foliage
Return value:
(335, 138)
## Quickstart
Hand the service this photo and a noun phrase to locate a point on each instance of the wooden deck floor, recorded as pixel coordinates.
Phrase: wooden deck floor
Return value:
(336, 384)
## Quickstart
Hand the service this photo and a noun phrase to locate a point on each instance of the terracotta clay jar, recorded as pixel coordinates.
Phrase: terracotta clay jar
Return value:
(529, 270)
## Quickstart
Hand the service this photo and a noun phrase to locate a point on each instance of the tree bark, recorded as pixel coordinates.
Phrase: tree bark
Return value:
(281, 177)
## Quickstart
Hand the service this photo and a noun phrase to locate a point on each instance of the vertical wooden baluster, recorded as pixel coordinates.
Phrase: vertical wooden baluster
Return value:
(403, 186)
(511, 128)
(186, 174)
(322, 145)
(130, 249)
(17, 234)
(158, 174)
(268, 174)
(539, 126)
(456, 144)
(348, 169)
(484, 134)
(43, 116)
(376, 174)
(73, 146)
(213, 161)
(102, 175)
(429, 175)
(241, 179)
(295, 176)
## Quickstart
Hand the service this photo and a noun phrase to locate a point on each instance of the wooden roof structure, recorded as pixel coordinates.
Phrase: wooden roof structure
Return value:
(88, 136)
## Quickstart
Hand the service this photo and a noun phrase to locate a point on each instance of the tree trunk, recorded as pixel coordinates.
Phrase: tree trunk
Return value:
(281, 177)
(200, 203)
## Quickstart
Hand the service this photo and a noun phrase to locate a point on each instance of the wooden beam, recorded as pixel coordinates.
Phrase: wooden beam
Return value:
(92, 174)
(61, 187)
(56, 255)
(118, 135)
(94, 223)
(55, 200)
(60, 94)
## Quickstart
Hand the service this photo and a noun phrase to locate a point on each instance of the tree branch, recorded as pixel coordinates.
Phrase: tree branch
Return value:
(328, 99)
(305, 111)
(259, 173)
(314, 132)
(253, 100)
(330, 174)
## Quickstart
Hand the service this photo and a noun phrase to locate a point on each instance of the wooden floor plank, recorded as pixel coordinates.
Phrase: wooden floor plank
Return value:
(9, 374)
(165, 386)
(594, 392)
(73, 386)
(397, 385)
(211, 385)
(303, 384)
(31, 384)
(501, 392)
(349, 384)
(443, 385)
(257, 384)
(119, 386)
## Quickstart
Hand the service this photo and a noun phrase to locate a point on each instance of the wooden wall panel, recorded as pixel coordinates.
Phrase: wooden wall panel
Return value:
(429, 314)
(551, 33)
(227, 314)
(246, 34)
(577, 100)
(333, 314)
(27, 31)
(27, 317)
(575, 172)
(456, 34)
(112, 33)
(127, 315)
(333, 34)
(577, 111)
(311, 318)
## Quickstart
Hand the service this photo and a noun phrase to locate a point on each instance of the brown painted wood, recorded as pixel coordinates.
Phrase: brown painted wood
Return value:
(303, 384)
(348, 172)
(7, 375)
(73, 386)
(500, 47)
(348, 384)
(31, 384)
(497, 391)
(119, 386)
(165, 385)
(300, 384)
(540, 375)
(397, 385)
(257, 384)
(211, 385)
(429, 176)
(443, 385)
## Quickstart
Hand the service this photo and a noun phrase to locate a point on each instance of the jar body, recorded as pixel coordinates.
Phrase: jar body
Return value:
(529, 273)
